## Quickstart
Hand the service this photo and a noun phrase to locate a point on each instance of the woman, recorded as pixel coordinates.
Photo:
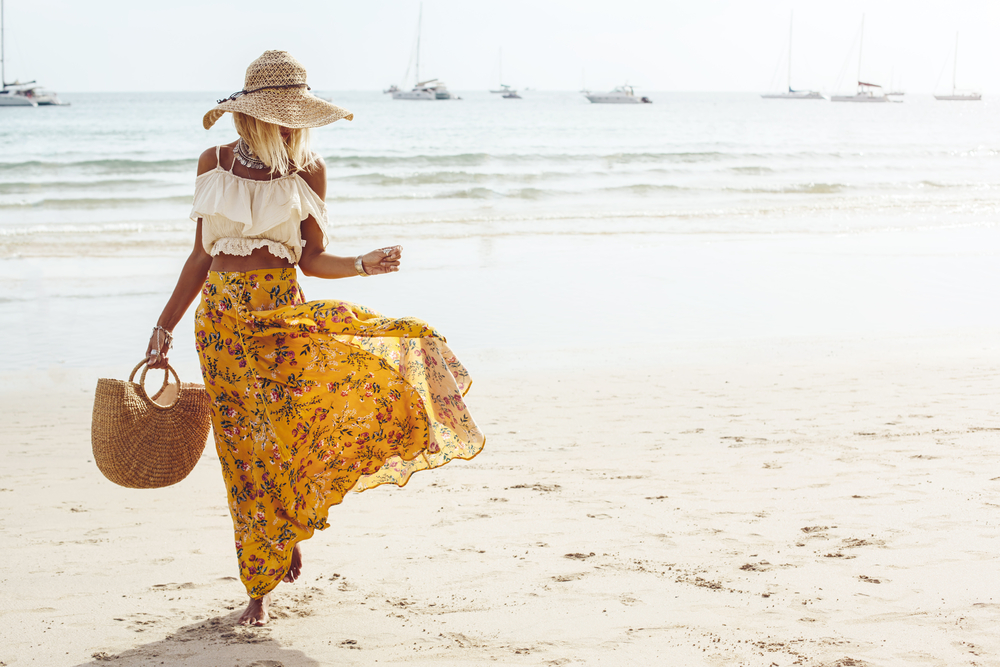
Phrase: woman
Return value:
(309, 399)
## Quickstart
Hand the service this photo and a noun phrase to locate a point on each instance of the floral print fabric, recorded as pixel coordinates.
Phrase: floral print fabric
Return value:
(311, 400)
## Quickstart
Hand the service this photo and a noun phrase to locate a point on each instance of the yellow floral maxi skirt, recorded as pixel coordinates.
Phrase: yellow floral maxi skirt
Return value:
(312, 400)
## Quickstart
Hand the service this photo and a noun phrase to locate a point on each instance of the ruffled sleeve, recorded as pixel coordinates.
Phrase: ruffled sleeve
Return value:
(311, 204)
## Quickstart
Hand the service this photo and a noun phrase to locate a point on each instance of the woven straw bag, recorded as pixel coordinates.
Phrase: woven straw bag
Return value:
(145, 442)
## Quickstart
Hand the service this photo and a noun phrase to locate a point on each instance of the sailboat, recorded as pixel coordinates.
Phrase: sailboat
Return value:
(505, 89)
(867, 92)
(19, 94)
(893, 90)
(500, 77)
(431, 89)
(957, 96)
(793, 94)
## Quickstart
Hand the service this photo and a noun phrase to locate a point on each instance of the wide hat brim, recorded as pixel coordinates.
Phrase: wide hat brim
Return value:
(295, 108)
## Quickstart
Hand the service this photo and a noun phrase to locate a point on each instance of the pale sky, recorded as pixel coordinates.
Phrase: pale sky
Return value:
(695, 45)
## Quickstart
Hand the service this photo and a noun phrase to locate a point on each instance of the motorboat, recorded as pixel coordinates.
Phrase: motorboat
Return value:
(620, 95)
(431, 89)
(507, 92)
(791, 93)
(957, 95)
(45, 97)
(866, 92)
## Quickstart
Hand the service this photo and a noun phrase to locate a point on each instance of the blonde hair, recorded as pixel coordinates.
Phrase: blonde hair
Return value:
(265, 141)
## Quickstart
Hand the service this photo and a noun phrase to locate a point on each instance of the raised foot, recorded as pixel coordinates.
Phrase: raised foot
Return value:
(256, 611)
(295, 569)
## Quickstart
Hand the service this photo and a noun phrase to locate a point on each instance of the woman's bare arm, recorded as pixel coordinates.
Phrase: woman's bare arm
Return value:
(316, 262)
(188, 286)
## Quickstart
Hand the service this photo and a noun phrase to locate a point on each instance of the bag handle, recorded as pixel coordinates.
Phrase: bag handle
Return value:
(166, 380)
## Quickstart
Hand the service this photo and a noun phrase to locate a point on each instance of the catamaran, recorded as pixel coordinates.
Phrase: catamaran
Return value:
(956, 95)
(791, 93)
(17, 94)
(867, 92)
(431, 89)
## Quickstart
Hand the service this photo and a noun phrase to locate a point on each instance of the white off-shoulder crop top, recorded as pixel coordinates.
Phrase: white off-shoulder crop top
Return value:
(240, 214)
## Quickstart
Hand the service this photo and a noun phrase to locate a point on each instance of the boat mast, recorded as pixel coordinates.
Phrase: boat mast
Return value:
(790, 19)
(3, 73)
(861, 46)
(420, 18)
(954, 69)
(500, 65)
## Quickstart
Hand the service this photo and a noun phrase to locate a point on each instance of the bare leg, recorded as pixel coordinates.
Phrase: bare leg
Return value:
(256, 611)
(295, 569)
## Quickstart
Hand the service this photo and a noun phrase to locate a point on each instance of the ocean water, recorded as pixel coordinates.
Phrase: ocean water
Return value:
(527, 221)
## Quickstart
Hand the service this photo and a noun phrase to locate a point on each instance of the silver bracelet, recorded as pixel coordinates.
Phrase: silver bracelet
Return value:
(360, 267)
(157, 330)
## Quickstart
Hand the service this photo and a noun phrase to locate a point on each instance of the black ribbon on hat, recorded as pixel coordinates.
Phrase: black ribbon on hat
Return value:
(241, 93)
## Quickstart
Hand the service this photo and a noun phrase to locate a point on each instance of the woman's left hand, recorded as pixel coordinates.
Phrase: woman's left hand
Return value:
(383, 260)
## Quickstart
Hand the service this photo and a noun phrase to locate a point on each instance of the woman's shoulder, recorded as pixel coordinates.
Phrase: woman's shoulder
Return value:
(315, 176)
(209, 159)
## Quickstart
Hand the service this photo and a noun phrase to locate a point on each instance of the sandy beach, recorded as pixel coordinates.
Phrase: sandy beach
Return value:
(736, 364)
(821, 501)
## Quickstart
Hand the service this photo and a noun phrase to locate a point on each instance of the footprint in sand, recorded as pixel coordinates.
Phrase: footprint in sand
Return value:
(174, 587)
(544, 488)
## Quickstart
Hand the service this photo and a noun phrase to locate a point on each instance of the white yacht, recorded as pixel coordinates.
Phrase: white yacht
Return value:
(792, 94)
(960, 97)
(14, 95)
(22, 94)
(866, 92)
(795, 95)
(431, 89)
(620, 95)
(40, 96)
(956, 94)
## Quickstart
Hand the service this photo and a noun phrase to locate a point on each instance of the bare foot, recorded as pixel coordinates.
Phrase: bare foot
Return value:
(295, 569)
(256, 611)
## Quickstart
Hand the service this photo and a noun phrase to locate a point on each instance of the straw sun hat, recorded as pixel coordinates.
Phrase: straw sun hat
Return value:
(275, 91)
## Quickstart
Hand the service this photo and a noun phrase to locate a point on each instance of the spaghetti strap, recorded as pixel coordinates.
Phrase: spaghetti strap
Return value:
(218, 162)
